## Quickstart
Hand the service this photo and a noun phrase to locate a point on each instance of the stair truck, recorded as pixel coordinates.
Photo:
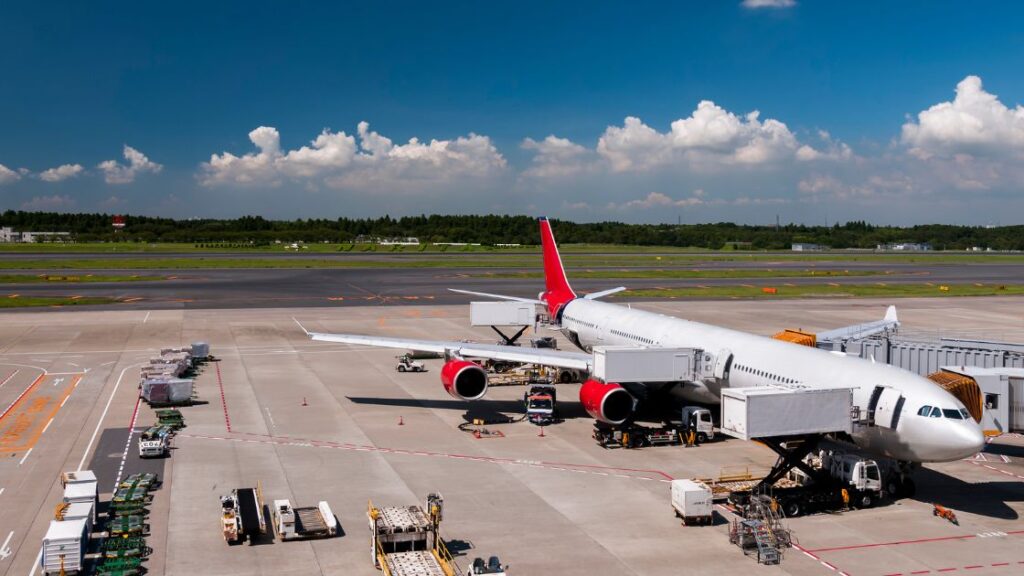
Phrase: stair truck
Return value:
(242, 515)
(304, 522)
(406, 541)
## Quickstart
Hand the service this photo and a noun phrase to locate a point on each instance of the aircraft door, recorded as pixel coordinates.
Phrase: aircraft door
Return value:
(723, 364)
(888, 404)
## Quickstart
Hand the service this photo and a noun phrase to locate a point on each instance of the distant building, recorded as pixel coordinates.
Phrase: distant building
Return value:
(8, 234)
(410, 241)
(907, 247)
(805, 247)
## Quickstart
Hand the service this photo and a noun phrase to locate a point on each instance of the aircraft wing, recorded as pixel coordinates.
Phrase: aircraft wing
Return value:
(542, 356)
(863, 330)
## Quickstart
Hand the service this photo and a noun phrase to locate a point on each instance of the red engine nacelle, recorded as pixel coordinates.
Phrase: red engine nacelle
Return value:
(610, 403)
(464, 380)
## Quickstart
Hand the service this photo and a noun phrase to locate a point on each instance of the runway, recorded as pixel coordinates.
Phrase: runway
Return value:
(307, 287)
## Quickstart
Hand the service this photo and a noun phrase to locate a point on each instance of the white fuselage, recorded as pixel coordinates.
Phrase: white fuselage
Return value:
(760, 361)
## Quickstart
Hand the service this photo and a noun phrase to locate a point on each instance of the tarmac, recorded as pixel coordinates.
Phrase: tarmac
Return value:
(318, 421)
(344, 287)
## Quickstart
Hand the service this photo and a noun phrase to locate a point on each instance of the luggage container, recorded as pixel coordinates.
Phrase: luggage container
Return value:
(692, 501)
(200, 350)
(64, 547)
(78, 511)
(77, 477)
(81, 492)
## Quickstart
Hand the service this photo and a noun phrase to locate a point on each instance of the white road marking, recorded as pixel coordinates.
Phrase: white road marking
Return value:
(272, 423)
(2, 491)
(102, 417)
(35, 565)
(4, 550)
(58, 381)
(146, 318)
(75, 365)
(8, 379)
(47, 427)
(25, 457)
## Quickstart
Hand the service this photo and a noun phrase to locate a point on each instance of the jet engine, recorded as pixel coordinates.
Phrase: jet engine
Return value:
(464, 380)
(608, 402)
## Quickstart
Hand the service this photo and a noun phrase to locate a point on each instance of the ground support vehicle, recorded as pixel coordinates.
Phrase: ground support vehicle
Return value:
(492, 567)
(539, 401)
(242, 515)
(636, 436)
(407, 364)
(406, 541)
(128, 525)
(698, 421)
(304, 522)
(692, 502)
(153, 447)
(761, 531)
(170, 417)
(126, 547)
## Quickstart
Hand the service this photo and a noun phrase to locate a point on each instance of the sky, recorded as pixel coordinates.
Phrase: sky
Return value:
(733, 110)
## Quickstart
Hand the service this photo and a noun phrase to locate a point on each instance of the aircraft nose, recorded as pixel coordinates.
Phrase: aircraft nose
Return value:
(967, 440)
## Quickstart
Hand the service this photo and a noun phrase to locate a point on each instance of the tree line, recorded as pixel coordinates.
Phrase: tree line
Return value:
(496, 229)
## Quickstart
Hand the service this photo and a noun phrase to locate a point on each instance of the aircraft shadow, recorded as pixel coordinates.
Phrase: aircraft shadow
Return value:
(1005, 450)
(485, 409)
(983, 499)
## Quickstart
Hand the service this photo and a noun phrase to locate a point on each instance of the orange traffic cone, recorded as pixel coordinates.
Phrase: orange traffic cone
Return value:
(401, 422)
(304, 401)
(541, 432)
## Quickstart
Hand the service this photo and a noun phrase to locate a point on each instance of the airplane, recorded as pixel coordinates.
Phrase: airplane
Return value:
(915, 420)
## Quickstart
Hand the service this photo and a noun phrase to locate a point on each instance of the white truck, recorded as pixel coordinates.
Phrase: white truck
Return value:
(699, 419)
(153, 447)
(691, 501)
(305, 522)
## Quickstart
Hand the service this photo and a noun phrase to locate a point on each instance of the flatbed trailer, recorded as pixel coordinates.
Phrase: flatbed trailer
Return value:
(405, 540)
(304, 522)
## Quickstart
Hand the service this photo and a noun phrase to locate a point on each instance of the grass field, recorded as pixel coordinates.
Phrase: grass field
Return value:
(15, 301)
(833, 290)
(684, 274)
(73, 279)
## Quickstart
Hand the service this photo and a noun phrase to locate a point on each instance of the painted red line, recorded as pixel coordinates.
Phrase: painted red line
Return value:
(23, 393)
(897, 543)
(973, 567)
(894, 574)
(922, 572)
(223, 399)
(1001, 564)
(946, 570)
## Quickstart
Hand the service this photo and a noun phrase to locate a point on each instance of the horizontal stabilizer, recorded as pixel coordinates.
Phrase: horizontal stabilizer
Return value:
(497, 296)
(603, 293)
(862, 330)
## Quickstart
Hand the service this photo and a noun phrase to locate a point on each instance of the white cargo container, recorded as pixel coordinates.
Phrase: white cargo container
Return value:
(692, 501)
(502, 313)
(81, 492)
(77, 477)
(64, 547)
(774, 411)
(630, 364)
(81, 511)
(200, 350)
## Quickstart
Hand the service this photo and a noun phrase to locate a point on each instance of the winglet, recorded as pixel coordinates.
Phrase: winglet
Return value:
(890, 315)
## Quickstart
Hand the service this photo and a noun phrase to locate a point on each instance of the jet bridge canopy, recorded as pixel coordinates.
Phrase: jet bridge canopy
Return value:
(776, 411)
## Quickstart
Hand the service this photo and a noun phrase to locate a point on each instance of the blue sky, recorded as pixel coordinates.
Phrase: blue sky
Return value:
(895, 112)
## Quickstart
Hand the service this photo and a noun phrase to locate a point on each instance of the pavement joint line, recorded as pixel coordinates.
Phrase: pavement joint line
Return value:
(401, 452)
(103, 416)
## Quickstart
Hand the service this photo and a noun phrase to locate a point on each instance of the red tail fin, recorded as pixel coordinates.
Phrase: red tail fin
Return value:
(558, 290)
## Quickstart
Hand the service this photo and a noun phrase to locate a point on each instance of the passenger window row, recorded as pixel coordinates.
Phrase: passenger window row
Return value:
(951, 413)
(765, 374)
(581, 322)
(633, 337)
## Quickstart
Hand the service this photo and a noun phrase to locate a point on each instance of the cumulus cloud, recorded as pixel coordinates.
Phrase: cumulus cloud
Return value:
(341, 162)
(138, 163)
(698, 199)
(53, 203)
(975, 122)
(754, 4)
(62, 172)
(555, 157)
(7, 175)
(710, 136)
(831, 150)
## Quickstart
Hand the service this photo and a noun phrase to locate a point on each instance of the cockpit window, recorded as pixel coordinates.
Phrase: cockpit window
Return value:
(952, 413)
(936, 413)
(924, 410)
(967, 415)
